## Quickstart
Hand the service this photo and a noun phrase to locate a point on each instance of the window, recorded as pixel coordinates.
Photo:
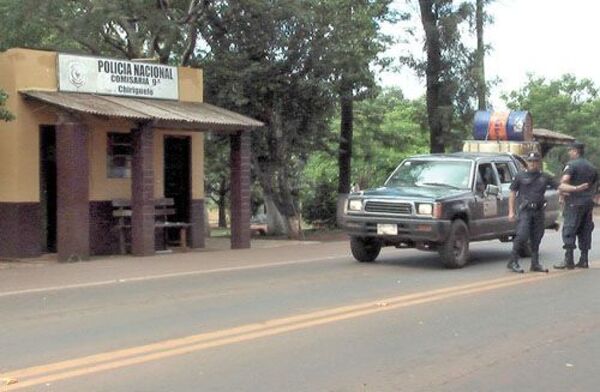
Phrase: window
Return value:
(119, 155)
(504, 172)
(441, 173)
(485, 177)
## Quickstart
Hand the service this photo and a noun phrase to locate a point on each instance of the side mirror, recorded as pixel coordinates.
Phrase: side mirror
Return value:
(492, 190)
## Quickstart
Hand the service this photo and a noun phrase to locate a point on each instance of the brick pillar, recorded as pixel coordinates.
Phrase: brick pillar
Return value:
(240, 190)
(73, 195)
(142, 191)
(196, 239)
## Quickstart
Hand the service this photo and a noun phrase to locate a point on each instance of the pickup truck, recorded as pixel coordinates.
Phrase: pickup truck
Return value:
(439, 202)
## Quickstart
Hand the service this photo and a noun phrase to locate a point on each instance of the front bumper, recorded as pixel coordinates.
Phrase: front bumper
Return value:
(409, 229)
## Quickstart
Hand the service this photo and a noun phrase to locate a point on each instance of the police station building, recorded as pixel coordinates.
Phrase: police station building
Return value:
(99, 146)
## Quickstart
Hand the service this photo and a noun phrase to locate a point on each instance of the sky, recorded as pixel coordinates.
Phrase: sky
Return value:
(545, 37)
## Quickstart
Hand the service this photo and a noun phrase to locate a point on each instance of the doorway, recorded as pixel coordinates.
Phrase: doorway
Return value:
(48, 194)
(177, 166)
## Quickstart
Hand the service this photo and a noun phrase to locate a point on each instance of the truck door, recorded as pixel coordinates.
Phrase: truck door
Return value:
(506, 172)
(487, 215)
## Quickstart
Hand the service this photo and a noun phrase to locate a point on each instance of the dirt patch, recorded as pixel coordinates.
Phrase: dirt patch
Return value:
(321, 235)
(325, 235)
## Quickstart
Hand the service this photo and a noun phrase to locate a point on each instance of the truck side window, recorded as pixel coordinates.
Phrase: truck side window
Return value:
(485, 176)
(513, 169)
(504, 172)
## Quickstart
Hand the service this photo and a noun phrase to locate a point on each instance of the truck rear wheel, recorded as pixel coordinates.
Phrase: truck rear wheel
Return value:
(454, 252)
(365, 249)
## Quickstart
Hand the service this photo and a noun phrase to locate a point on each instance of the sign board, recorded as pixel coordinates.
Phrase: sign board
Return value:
(97, 75)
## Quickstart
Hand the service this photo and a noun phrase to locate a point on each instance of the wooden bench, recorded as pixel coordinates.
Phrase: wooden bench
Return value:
(163, 208)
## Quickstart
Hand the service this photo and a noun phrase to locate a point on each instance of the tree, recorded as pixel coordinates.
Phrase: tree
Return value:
(447, 69)
(565, 105)
(165, 30)
(264, 62)
(388, 128)
(480, 55)
(5, 115)
(351, 32)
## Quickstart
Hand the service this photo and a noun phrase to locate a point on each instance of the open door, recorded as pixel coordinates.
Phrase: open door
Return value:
(177, 155)
(48, 187)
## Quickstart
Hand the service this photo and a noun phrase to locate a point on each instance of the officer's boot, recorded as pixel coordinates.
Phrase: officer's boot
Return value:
(535, 263)
(513, 264)
(568, 262)
(583, 260)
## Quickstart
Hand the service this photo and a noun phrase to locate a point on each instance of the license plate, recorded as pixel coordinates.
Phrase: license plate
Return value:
(387, 229)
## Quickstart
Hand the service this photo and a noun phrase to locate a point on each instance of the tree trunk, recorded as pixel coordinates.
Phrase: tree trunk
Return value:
(345, 150)
(294, 228)
(282, 215)
(222, 203)
(275, 222)
(222, 213)
(433, 74)
(206, 223)
(480, 56)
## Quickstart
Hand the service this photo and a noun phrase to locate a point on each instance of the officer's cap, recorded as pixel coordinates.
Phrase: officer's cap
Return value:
(533, 156)
(576, 145)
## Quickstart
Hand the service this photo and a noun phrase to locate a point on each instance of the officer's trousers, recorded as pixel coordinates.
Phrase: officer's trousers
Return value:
(530, 227)
(578, 224)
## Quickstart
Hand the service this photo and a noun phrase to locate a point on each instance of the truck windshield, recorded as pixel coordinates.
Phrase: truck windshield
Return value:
(448, 174)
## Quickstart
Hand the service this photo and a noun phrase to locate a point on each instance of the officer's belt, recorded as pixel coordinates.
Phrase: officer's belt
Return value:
(533, 205)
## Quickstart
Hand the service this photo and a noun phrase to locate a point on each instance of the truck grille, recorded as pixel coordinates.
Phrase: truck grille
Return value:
(388, 208)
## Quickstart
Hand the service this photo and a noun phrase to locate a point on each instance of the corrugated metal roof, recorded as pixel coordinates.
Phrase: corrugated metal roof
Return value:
(546, 135)
(194, 114)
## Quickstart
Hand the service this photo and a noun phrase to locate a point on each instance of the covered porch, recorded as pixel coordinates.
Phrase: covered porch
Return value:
(75, 225)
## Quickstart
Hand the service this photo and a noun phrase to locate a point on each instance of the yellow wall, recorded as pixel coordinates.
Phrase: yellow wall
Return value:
(191, 85)
(24, 69)
(104, 188)
(19, 139)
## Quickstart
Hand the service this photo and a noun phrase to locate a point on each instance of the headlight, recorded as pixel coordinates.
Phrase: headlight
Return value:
(425, 209)
(355, 205)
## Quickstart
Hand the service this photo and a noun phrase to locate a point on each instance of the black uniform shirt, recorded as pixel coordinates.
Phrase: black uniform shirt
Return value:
(581, 171)
(531, 186)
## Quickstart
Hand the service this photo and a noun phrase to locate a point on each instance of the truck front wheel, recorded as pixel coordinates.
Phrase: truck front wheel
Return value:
(454, 252)
(365, 249)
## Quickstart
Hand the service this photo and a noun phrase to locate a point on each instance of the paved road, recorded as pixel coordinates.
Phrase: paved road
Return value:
(300, 318)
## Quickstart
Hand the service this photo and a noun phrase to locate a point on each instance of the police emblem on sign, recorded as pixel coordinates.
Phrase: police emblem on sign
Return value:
(77, 74)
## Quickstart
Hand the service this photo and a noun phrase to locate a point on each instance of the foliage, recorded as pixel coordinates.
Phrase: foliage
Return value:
(280, 62)
(354, 42)
(165, 29)
(566, 105)
(262, 62)
(319, 198)
(388, 129)
(450, 70)
(5, 115)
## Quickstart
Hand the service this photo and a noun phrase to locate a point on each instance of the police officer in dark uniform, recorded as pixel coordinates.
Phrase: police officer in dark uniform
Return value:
(578, 206)
(527, 203)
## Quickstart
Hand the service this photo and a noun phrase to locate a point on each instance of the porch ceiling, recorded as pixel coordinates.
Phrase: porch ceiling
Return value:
(168, 114)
